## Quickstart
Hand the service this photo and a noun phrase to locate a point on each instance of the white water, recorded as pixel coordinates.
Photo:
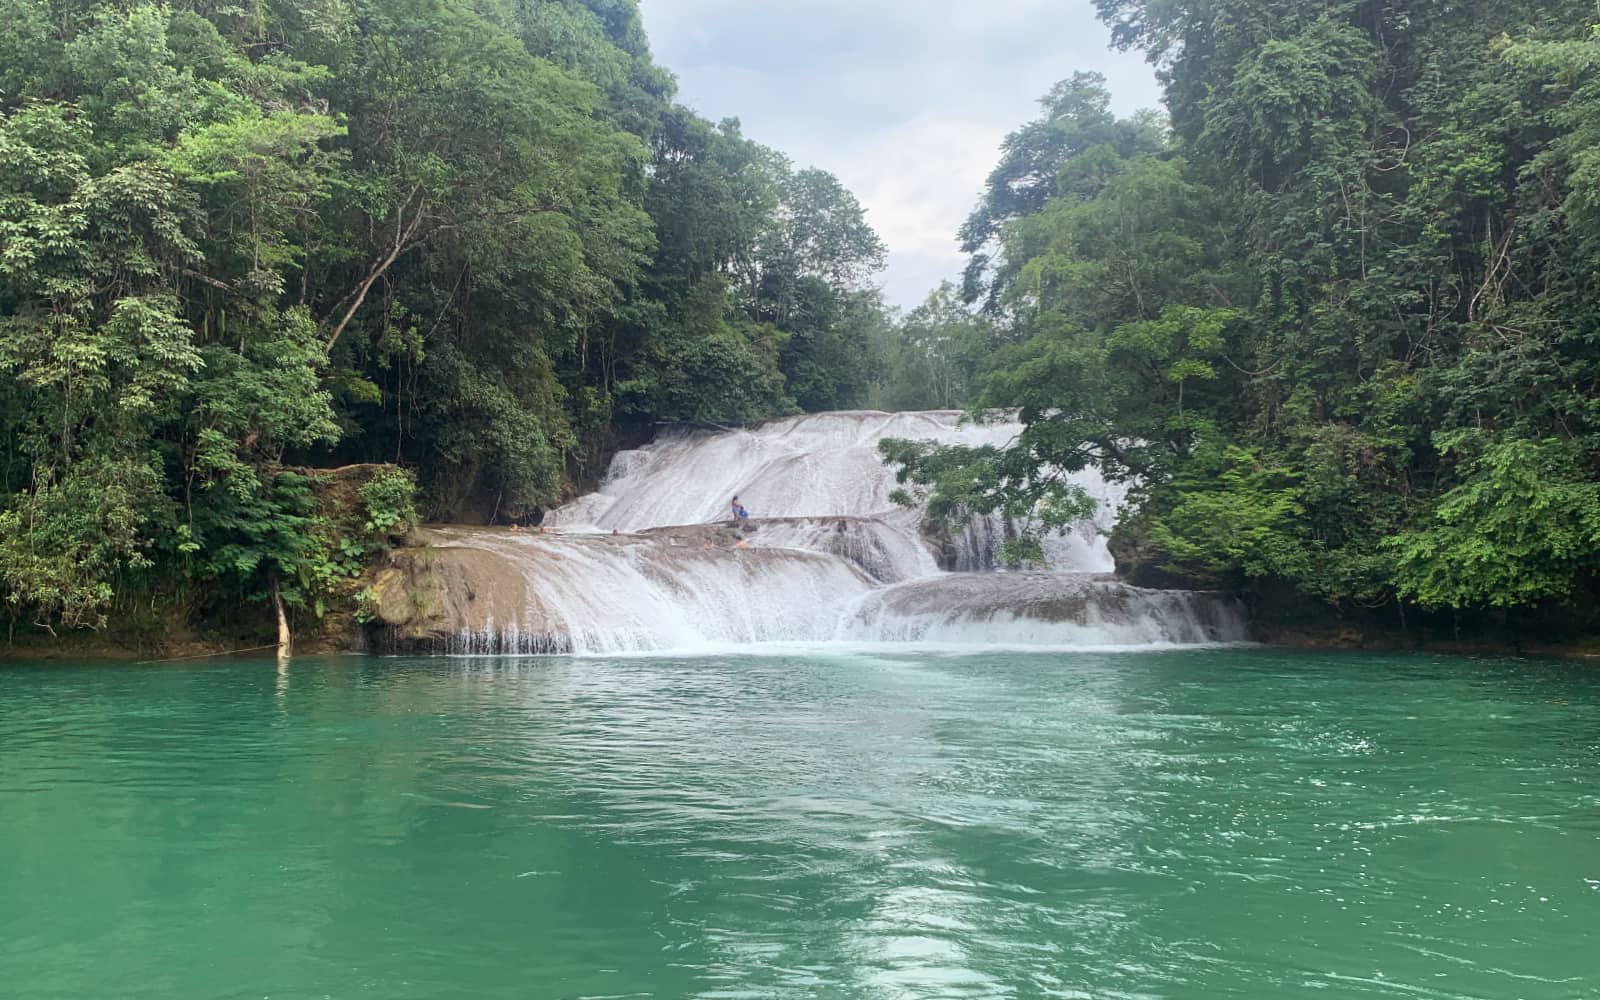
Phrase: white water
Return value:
(889, 548)
(827, 557)
(605, 594)
(822, 465)
(1041, 609)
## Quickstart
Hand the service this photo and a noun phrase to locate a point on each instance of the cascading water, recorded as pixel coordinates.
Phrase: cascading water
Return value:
(616, 594)
(818, 466)
(890, 548)
(652, 562)
(1054, 609)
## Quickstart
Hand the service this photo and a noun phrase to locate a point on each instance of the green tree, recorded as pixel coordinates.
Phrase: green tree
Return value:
(931, 356)
(478, 240)
(1342, 301)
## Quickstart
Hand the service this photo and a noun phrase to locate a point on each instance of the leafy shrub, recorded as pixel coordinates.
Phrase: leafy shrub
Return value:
(390, 498)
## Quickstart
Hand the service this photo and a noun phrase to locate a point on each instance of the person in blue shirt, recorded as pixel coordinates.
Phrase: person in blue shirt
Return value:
(739, 513)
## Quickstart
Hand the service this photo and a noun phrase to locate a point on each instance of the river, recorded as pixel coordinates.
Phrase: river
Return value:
(814, 822)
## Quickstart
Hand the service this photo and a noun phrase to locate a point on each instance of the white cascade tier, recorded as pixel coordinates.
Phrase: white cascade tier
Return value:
(651, 562)
(820, 465)
(602, 594)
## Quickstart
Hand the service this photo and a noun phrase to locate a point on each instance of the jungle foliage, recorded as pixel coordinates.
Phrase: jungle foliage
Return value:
(476, 239)
(1336, 319)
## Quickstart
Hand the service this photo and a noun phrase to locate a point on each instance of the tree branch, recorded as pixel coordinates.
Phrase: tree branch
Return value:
(205, 279)
(403, 241)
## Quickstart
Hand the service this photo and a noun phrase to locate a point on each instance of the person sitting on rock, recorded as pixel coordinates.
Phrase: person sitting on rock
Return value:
(739, 513)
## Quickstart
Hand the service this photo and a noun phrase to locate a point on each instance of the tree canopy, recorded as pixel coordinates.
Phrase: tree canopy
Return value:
(474, 238)
(1335, 321)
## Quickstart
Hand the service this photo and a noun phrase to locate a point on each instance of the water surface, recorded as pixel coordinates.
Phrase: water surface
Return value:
(819, 824)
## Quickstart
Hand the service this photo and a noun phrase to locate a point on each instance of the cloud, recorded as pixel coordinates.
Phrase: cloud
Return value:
(906, 102)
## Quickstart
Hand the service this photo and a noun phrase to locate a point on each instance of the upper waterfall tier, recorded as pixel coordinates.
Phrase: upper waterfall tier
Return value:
(821, 465)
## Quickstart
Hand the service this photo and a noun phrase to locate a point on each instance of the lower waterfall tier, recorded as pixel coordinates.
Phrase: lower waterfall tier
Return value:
(890, 549)
(1046, 609)
(490, 592)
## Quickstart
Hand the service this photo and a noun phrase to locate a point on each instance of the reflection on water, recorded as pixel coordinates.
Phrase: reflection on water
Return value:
(841, 824)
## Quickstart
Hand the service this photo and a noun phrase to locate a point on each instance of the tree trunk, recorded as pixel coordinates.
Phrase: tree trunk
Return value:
(403, 236)
(284, 637)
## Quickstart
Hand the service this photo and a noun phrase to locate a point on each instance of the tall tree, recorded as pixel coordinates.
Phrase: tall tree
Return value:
(475, 238)
(1333, 327)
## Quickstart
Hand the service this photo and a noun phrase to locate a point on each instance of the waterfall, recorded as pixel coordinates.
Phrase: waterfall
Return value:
(890, 548)
(616, 594)
(1047, 609)
(652, 562)
(817, 466)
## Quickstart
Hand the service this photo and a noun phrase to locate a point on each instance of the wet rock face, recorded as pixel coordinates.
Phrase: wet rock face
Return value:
(889, 549)
(425, 597)
(390, 598)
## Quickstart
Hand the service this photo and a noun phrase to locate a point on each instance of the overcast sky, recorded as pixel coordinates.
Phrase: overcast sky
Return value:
(905, 100)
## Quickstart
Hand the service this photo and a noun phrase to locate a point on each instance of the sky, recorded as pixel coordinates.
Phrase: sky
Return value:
(906, 101)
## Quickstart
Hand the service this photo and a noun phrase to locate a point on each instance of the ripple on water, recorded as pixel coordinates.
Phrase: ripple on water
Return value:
(1213, 824)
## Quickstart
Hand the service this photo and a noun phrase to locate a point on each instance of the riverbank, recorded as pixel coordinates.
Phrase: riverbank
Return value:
(1281, 617)
(134, 650)
(1347, 640)
(114, 645)
(445, 581)
(1289, 622)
